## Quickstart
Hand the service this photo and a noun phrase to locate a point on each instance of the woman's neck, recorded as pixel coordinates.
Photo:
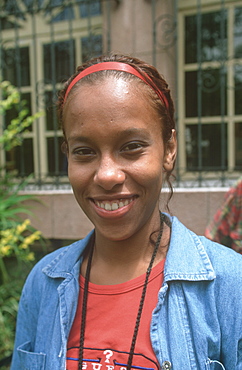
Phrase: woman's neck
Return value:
(115, 262)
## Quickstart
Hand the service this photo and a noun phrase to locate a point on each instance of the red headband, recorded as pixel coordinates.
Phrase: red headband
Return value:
(116, 66)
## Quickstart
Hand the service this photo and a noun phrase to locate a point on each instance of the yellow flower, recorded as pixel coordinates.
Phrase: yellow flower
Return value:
(31, 238)
(5, 250)
(7, 237)
(12, 241)
(30, 257)
(23, 246)
(6, 233)
(22, 227)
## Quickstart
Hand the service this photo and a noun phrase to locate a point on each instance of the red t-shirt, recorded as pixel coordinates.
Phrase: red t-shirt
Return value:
(110, 322)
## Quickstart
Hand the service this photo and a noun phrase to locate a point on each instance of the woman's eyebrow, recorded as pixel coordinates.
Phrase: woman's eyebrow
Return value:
(79, 138)
(134, 132)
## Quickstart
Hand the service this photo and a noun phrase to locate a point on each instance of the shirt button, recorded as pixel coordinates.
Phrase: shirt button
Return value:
(166, 365)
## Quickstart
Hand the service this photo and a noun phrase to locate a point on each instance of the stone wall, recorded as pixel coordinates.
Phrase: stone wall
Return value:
(58, 216)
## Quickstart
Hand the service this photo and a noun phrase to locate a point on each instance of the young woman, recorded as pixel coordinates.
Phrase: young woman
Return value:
(141, 291)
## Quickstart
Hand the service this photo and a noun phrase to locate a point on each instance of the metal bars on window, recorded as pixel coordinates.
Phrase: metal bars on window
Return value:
(196, 44)
(209, 119)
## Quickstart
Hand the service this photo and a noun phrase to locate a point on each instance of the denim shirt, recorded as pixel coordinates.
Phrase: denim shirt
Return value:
(197, 323)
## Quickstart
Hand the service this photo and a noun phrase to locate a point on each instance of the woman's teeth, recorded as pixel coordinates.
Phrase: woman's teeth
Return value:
(114, 205)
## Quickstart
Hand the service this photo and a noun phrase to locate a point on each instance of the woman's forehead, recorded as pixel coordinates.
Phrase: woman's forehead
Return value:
(110, 95)
(119, 84)
(112, 105)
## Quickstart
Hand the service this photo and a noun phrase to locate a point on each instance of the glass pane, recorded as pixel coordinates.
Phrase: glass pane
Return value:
(190, 39)
(64, 14)
(238, 89)
(6, 24)
(91, 47)
(57, 162)
(59, 61)
(90, 8)
(50, 111)
(213, 93)
(20, 159)
(15, 66)
(238, 145)
(238, 32)
(33, 5)
(210, 145)
(13, 7)
(213, 36)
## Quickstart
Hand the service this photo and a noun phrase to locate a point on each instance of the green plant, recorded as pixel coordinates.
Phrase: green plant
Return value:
(16, 235)
(11, 202)
(12, 134)
(14, 242)
(16, 259)
(9, 298)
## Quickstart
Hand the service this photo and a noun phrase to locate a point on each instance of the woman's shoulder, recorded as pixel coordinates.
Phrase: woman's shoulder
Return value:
(224, 259)
(59, 263)
(194, 248)
(55, 256)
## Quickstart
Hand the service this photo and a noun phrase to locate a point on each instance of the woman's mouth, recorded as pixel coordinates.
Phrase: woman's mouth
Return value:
(113, 205)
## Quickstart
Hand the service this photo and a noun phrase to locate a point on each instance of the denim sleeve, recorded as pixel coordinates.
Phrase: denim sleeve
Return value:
(26, 320)
(229, 298)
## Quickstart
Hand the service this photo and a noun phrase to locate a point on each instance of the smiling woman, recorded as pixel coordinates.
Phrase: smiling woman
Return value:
(141, 286)
(119, 154)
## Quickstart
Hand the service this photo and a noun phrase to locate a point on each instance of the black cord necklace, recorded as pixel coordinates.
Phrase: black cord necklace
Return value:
(138, 318)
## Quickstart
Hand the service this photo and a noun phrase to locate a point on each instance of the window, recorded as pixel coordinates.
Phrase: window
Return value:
(42, 42)
(207, 42)
(57, 162)
(91, 46)
(238, 145)
(16, 66)
(86, 9)
(238, 32)
(211, 146)
(212, 67)
(16, 69)
(59, 61)
(14, 158)
(20, 158)
(210, 99)
(90, 8)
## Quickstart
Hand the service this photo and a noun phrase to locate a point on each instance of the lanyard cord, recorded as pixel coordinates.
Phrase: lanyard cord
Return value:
(141, 305)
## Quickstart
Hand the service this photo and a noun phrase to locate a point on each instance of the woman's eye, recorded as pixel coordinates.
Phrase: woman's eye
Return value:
(134, 146)
(83, 152)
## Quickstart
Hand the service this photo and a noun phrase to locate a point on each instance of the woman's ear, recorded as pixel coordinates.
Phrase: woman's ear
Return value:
(170, 152)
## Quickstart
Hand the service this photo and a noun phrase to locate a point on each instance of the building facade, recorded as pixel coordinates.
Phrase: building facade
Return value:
(195, 44)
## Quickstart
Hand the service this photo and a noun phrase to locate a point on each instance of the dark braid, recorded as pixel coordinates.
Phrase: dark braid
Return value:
(141, 305)
(84, 306)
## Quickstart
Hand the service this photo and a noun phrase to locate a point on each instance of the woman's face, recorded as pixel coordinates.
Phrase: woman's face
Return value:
(116, 156)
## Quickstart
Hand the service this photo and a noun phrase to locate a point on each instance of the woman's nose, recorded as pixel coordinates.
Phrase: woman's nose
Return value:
(109, 174)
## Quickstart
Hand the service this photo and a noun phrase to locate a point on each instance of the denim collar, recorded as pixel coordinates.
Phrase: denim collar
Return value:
(186, 259)
(67, 262)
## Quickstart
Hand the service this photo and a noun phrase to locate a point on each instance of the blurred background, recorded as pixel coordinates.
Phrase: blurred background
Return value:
(195, 44)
